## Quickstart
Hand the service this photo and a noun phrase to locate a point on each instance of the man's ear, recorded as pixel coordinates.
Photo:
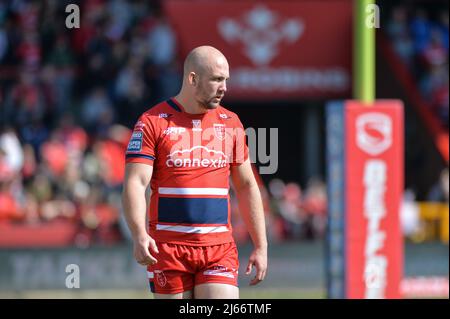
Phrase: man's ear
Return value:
(192, 78)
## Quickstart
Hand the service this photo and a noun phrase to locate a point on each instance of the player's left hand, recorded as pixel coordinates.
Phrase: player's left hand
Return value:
(258, 258)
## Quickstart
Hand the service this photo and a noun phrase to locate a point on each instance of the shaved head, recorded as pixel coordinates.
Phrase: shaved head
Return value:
(201, 59)
(206, 71)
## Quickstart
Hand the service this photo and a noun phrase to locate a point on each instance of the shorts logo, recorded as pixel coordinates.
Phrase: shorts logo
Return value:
(160, 278)
(220, 270)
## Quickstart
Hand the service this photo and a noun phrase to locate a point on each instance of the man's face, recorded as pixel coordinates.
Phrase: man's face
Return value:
(211, 84)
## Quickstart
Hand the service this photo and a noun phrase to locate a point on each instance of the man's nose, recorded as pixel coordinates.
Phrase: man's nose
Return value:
(223, 87)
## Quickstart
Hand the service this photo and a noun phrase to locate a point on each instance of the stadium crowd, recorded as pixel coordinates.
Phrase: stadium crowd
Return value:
(68, 98)
(421, 39)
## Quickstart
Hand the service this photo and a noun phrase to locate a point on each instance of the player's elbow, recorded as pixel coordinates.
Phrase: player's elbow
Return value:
(133, 185)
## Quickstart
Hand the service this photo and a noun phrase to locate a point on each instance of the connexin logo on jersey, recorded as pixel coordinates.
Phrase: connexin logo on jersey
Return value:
(197, 156)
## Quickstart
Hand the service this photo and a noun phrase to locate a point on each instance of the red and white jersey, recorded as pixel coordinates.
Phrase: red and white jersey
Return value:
(191, 155)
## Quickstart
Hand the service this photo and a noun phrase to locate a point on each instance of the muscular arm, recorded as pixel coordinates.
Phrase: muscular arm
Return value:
(137, 178)
(251, 208)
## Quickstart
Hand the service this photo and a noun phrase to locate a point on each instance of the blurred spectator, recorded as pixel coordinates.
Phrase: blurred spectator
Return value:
(6, 172)
(161, 42)
(3, 42)
(286, 204)
(315, 205)
(434, 53)
(99, 220)
(442, 28)
(435, 89)
(162, 53)
(131, 93)
(40, 188)
(10, 181)
(421, 28)
(35, 134)
(61, 62)
(28, 12)
(303, 214)
(409, 214)
(120, 19)
(25, 101)
(29, 162)
(276, 190)
(29, 51)
(111, 156)
(96, 106)
(9, 207)
(58, 208)
(54, 155)
(13, 154)
(73, 136)
(397, 28)
(440, 190)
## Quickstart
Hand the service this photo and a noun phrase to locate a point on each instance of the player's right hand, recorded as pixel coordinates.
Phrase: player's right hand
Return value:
(144, 250)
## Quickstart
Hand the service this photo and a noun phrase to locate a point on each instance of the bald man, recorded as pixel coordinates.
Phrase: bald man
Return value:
(186, 148)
